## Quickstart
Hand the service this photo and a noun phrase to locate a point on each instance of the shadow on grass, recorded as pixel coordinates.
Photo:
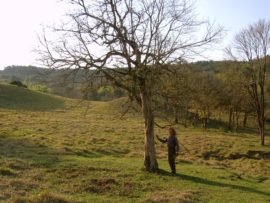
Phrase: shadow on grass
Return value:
(37, 154)
(97, 153)
(204, 181)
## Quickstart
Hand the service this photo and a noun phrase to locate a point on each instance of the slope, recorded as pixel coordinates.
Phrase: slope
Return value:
(84, 152)
(18, 98)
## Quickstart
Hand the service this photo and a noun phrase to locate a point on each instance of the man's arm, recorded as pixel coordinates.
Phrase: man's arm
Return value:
(161, 140)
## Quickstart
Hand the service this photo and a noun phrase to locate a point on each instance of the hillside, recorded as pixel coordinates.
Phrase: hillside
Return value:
(62, 82)
(60, 150)
(18, 98)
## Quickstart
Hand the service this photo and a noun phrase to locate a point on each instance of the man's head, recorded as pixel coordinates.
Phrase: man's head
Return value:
(172, 131)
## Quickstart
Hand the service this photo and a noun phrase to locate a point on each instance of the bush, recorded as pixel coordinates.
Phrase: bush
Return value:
(40, 88)
(18, 83)
(106, 92)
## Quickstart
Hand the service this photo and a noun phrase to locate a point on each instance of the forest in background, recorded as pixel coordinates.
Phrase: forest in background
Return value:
(205, 93)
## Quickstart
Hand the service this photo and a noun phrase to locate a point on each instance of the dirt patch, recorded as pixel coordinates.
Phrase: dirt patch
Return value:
(187, 196)
(75, 171)
(45, 198)
(259, 154)
(206, 155)
(7, 172)
(132, 189)
(16, 165)
(102, 169)
(22, 186)
(251, 154)
(114, 187)
(236, 155)
(100, 185)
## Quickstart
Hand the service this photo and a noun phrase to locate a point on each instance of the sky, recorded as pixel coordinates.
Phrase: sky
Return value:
(21, 20)
(233, 15)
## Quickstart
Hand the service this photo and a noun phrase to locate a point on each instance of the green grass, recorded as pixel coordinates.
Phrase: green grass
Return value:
(65, 151)
(19, 98)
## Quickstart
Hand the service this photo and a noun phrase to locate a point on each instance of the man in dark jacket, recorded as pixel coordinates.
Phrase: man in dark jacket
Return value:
(173, 148)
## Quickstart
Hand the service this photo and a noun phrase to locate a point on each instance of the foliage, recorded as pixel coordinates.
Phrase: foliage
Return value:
(252, 44)
(38, 87)
(60, 82)
(18, 83)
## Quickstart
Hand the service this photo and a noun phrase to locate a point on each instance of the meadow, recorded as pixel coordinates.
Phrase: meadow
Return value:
(59, 150)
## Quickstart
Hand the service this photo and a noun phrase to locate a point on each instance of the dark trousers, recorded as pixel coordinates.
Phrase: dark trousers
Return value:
(171, 159)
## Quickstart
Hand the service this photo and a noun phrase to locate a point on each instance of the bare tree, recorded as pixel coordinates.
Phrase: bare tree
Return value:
(252, 45)
(127, 41)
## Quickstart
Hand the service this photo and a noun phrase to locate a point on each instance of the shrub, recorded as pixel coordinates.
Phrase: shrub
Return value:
(18, 83)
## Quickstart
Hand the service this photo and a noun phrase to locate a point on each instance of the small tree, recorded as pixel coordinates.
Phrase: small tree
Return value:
(236, 98)
(206, 96)
(18, 83)
(176, 92)
(128, 42)
(252, 45)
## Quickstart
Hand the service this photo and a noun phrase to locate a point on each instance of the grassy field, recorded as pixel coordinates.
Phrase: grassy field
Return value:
(54, 149)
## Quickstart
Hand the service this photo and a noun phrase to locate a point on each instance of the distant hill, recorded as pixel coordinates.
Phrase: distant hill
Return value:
(36, 74)
(22, 73)
(62, 82)
(45, 75)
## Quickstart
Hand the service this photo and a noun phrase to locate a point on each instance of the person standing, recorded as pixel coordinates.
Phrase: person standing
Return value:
(173, 148)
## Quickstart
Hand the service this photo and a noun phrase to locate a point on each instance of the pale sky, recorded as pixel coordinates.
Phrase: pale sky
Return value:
(20, 20)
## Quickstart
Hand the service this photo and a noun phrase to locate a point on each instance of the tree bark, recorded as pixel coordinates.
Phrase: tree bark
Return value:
(204, 122)
(262, 109)
(261, 127)
(186, 117)
(245, 119)
(195, 118)
(150, 161)
(260, 122)
(230, 118)
(262, 134)
(176, 115)
(236, 120)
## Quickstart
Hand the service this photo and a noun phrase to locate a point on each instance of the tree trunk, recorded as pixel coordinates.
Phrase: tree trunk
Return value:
(204, 120)
(230, 118)
(260, 122)
(185, 123)
(195, 118)
(220, 116)
(150, 161)
(262, 134)
(262, 111)
(245, 119)
(176, 115)
(261, 127)
(236, 120)
(233, 121)
(186, 117)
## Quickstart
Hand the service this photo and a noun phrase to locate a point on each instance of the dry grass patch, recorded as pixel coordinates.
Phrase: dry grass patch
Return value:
(186, 196)
(45, 197)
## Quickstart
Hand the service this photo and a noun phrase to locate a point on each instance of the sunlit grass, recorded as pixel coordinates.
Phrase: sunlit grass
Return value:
(84, 152)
